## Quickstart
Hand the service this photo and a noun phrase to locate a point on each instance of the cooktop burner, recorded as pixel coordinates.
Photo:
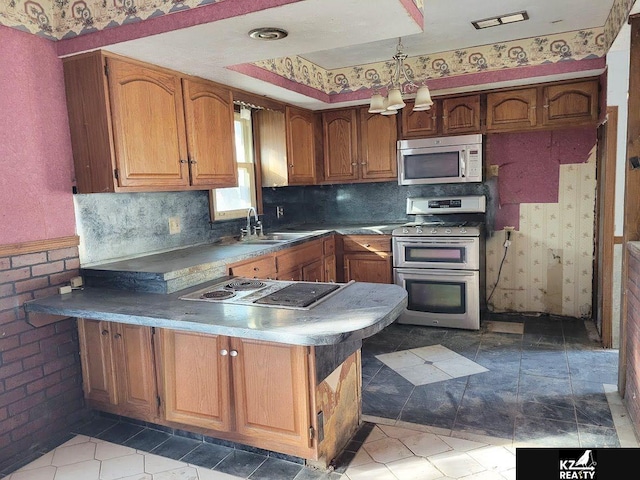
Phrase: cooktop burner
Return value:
(244, 285)
(267, 293)
(218, 294)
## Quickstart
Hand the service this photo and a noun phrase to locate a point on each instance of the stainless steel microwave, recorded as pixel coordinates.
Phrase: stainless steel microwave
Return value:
(440, 160)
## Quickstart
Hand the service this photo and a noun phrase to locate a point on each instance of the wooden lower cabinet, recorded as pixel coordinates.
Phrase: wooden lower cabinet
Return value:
(367, 258)
(118, 368)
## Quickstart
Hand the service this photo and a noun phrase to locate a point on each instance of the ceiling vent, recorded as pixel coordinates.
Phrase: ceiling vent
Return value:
(268, 33)
(500, 20)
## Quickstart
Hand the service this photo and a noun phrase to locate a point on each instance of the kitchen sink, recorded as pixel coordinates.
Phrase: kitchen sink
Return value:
(275, 238)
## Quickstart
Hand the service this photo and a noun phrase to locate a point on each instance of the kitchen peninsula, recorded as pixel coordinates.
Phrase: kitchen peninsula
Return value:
(282, 379)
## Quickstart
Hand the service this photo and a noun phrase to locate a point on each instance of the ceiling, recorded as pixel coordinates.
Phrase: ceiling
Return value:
(344, 33)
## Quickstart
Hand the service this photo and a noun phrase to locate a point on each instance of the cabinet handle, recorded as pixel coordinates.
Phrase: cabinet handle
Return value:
(233, 353)
(105, 333)
(192, 161)
(117, 335)
(367, 245)
(223, 352)
(256, 269)
(183, 161)
(353, 164)
(363, 163)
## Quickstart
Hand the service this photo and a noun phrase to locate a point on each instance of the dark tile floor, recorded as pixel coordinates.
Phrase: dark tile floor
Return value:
(544, 386)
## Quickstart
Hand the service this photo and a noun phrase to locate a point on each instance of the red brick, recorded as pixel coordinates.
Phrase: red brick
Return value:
(14, 301)
(45, 292)
(23, 378)
(67, 348)
(8, 316)
(3, 413)
(72, 264)
(47, 268)
(20, 352)
(66, 325)
(28, 259)
(37, 334)
(70, 371)
(10, 397)
(51, 343)
(62, 253)
(9, 343)
(59, 364)
(43, 383)
(5, 263)
(62, 278)
(60, 388)
(14, 328)
(8, 276)
(33, 361)
(6, 289)
(31, 284)
(10, 369)
(26, 404)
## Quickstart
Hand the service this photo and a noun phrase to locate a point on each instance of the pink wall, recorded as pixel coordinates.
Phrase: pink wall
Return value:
(36, 164)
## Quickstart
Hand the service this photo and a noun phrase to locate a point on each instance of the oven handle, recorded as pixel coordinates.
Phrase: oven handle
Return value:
(426, 241)
(433, 271)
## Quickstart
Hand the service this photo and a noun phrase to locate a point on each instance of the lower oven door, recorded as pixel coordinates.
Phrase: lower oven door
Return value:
(440, 298)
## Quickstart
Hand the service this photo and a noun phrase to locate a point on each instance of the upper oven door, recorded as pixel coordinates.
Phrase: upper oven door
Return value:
(437, 252)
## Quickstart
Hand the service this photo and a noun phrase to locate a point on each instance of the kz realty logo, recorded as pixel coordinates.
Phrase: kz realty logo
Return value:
(577, 465)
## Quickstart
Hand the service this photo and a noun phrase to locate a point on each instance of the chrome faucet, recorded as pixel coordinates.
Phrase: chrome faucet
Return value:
(247, 232)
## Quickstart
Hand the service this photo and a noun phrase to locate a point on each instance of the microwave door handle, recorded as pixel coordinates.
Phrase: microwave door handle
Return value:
(463, 164)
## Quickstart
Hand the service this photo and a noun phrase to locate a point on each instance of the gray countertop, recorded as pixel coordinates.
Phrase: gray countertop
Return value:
(175, 270)
(358, 311)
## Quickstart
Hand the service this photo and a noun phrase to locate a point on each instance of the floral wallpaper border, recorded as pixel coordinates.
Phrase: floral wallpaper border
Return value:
(577, 45)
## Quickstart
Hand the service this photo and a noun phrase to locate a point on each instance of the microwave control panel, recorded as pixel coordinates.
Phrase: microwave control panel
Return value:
(474, 163)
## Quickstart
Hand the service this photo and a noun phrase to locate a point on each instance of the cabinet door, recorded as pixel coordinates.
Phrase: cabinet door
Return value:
(340, 145)
(260, 267)
(511, 110)
(461, 114)
(98, 370)
(313, 272)
(377, 146)
(133, 351)
(571, 103)
(367, 267)
(271, 389)
(195, 375)
(293, 274)
(272, 144)
(148, 126)
(420, 124)
(330, 274)
(301, 150)
(210, 134)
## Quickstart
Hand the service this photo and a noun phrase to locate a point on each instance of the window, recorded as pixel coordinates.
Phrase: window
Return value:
(233, 202)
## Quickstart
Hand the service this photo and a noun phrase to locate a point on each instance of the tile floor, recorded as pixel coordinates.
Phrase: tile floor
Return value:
(528, 381)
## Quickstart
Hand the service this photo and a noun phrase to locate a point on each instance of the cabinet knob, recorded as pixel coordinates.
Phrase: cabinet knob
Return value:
(183, 161)
(233, 353)
(256, 269)
(117, 335)
(105, 333)
(223, 352)
(192, 161)
(367, 245)
(363, 163)
(353, 164)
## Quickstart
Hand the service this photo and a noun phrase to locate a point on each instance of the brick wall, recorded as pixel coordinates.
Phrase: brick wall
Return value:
(40, 375)
(632, 334)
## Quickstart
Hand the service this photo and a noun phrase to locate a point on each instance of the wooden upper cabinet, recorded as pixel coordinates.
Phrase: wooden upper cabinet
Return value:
(128, 129)
(377, 146)
(461, 115)
(340, 137)
(512, 110)
(301, 147)
(210, 134)
(287, 146)
(570, 103)
(420, 124)
(359, 146)
(148, 126)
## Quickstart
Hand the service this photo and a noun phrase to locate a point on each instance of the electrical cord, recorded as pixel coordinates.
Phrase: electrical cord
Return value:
(507, 243)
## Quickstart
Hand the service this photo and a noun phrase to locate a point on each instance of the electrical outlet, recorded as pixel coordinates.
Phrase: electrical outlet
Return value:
(279, 211)
(174, 225)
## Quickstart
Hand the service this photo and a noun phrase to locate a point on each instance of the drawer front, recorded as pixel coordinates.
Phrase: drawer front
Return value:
(261, 267)
(298, 256)
(329, 245)
(367, 243)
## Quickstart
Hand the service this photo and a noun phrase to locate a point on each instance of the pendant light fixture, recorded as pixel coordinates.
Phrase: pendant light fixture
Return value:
(401, 82)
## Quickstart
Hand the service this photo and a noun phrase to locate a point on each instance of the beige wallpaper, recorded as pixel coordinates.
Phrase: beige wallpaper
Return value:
(548, 266)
